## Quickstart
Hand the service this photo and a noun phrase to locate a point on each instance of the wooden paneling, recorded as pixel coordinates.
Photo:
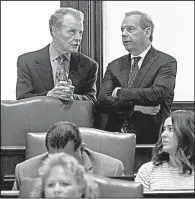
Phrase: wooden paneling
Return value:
(10, 156)
(92, 42)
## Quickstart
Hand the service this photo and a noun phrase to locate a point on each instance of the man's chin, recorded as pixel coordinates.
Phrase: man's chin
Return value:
(74, 50)
(128, 48)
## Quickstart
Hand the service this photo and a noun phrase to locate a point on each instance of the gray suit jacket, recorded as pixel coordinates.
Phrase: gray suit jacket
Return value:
(34, 75)
(96, 163)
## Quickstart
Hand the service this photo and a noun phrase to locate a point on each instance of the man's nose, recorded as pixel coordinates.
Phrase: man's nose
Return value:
(124, 32)
(57, 188)
(78, 36)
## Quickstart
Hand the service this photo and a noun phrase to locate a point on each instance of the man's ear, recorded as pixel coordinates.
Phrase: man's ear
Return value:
(53, 30)
(148, 32)
(83, 145)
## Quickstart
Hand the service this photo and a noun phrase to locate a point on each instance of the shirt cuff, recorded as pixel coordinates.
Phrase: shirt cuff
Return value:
(115, 92)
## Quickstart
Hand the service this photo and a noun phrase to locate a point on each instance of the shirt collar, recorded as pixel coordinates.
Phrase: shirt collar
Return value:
(87, 163)
(142, 54)
(53, 53)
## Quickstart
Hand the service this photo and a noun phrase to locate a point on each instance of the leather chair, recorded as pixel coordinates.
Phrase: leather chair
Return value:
(37, 114)
(119, 188)
(107, 187)
(117, 145)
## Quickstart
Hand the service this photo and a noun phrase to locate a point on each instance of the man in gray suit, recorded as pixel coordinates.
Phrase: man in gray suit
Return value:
(138, 88)
(66, 137)
(59, 70)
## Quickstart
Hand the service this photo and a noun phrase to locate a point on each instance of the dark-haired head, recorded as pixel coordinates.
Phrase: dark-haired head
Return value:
(177, 139)
(65, 137)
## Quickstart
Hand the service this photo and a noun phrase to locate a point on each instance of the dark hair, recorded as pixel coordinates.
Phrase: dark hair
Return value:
(145, 21)
(61, 133)
(183, 126)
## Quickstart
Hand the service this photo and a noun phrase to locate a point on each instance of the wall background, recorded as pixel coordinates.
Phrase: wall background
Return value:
(24, 28)
(173, 34)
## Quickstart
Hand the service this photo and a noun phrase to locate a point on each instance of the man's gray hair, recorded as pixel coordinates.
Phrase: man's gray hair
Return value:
(145, 21)
(57, 18)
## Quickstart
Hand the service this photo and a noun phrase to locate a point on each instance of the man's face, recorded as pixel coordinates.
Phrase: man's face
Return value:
(133, 37)
(69, 149)
(68, 36)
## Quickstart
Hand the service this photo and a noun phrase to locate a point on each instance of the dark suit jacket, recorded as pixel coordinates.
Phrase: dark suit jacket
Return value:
(34, 75)
(97, 163)
(154, 85)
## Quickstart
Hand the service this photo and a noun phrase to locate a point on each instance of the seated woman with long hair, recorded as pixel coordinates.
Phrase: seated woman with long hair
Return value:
(172, 165)
(62, 176)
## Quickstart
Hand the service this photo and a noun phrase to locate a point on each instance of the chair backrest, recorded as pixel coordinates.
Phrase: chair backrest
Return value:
(37, 114)
(117, 145)
(119, 188)
(107, 187)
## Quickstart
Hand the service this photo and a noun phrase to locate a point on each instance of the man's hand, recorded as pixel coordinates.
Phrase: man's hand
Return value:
(149, 110)
(62, 90)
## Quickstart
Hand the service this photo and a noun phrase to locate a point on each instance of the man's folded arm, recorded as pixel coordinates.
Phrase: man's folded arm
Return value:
(106, 102)
(157, 93)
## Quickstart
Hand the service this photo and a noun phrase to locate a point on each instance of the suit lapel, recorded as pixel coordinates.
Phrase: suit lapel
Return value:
(125, 64)
(150, 57)
(76, 68)
(44, 68)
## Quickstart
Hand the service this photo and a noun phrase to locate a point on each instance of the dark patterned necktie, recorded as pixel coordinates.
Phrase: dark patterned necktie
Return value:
(60, 71)
(134, 71)
(132, 76)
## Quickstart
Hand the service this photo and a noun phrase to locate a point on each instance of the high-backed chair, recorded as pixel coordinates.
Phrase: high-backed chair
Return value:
(37, 114)
(107, 187)
(117, 145)
(119, 188)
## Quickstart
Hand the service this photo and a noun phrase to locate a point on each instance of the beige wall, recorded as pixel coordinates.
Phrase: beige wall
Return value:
(24, 28)
(173, 34)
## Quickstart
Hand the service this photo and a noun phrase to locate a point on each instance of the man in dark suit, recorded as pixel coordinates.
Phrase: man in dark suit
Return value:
(138, 88)
(58, 70)
(66, 137)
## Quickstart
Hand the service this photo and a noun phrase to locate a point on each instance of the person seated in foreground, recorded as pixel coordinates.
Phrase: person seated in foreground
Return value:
(172, 165)
(61, 175)
(66, 137)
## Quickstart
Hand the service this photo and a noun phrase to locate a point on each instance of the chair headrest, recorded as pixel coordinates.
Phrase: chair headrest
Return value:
(116, 145)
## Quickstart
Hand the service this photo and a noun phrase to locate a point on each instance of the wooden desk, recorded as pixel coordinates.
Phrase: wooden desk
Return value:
(9, 194)
(170, 194)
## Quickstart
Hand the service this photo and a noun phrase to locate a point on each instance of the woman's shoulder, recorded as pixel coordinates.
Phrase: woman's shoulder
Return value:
(147, 167)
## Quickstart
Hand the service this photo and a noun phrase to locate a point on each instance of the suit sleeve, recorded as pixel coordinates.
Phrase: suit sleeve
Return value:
(16, 185)
(24, 86)
(163, 85)
(89, 87)
(106, 102)
(119, 169)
